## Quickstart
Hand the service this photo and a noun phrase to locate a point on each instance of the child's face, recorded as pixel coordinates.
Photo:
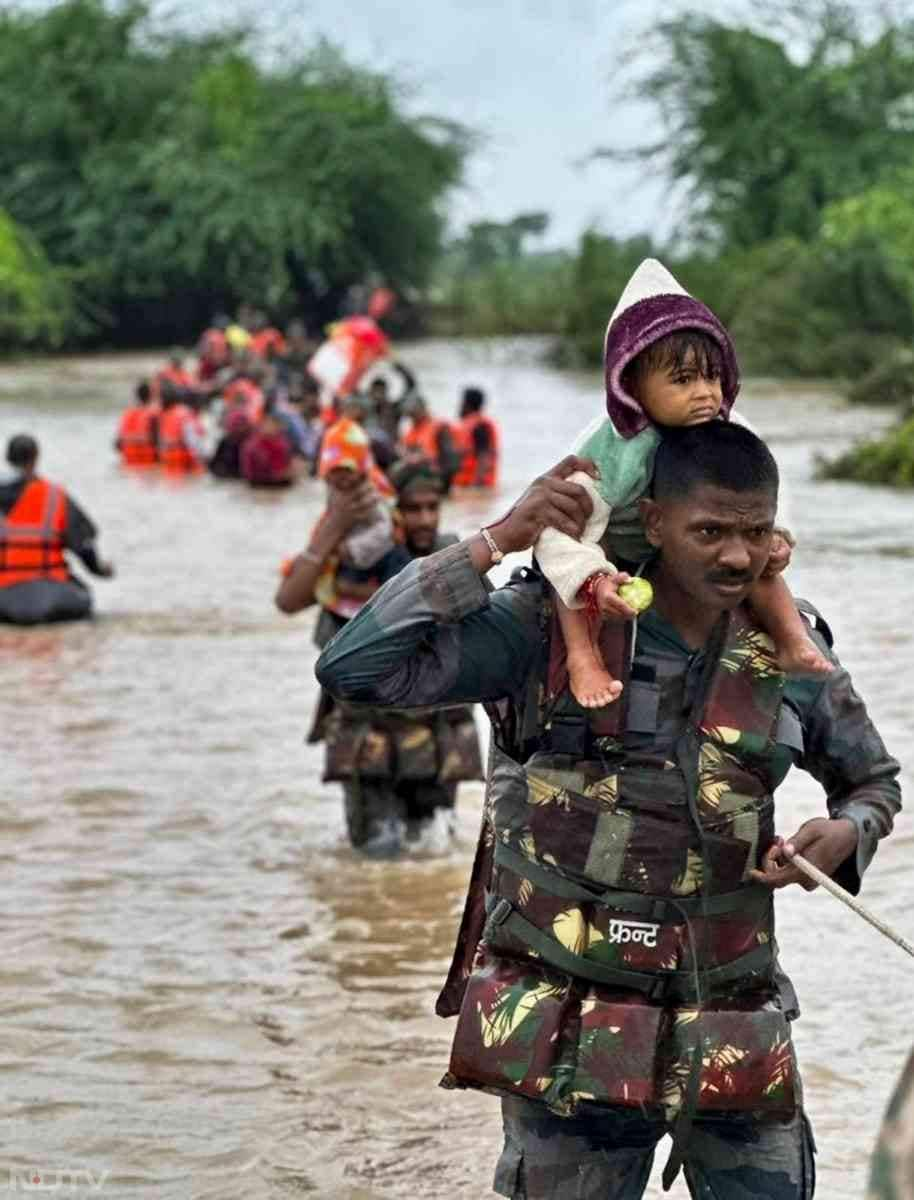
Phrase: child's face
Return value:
(680, 395)
(342, 479)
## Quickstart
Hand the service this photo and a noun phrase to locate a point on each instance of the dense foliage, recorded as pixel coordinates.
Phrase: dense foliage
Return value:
(169, 174)
(35, 300)
(795, 145)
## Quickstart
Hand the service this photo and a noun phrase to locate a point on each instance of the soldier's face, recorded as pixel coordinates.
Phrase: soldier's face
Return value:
(714, 542)
(420, 511)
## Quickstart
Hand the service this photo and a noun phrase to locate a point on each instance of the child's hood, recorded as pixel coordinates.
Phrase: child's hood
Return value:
(653, 305)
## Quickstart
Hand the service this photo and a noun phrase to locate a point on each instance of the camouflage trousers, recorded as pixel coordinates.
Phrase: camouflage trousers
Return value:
(607, 1154)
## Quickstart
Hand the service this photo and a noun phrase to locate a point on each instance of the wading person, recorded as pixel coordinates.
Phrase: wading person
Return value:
(616, 971)
(397, 771)
(478, 441)
(182, 441)
(39, 524)
(137, 431)
(429, 439)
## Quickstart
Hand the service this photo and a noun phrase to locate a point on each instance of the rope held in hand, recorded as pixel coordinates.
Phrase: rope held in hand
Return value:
(851, 901)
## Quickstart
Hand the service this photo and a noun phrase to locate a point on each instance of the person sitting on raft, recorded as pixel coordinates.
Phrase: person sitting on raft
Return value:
(669, 362)
(38, 523)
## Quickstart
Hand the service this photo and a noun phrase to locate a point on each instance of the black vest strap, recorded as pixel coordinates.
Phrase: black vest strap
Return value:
(663, 986)
(749, 899)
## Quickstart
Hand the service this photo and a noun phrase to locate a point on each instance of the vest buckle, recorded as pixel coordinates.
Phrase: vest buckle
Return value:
(501, 912)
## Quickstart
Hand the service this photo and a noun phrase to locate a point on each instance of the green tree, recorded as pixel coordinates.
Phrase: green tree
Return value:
(168, 173)
(765, 140)
(35, 301)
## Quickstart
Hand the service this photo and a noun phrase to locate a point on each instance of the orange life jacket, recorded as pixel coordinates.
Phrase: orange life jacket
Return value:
(244, 394)
(173, 453)
(469, 467)
(182, 380)
(267, 342)
(136, 436)
(32, 535)
(423, 436)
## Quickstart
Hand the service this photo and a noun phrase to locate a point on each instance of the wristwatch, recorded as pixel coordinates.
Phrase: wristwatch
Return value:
(497, 555)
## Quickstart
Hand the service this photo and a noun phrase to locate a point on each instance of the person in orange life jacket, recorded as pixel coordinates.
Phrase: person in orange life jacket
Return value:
(707, 707)
(175, 374)
(430, 440)
(245, 390)
(392, 805)
(39, 524)
(137, 433)
(266, 340)
(478, 441)
(213, 353)
(182, 441)
(266, 457)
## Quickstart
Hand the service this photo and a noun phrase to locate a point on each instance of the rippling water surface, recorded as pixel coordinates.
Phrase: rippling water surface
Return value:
(204, 992)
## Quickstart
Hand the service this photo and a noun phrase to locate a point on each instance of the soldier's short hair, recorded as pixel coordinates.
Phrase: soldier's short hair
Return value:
(21, 450)
(719, 453)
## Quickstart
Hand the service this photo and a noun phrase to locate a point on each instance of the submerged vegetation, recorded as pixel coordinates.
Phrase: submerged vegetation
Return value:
(888, 459)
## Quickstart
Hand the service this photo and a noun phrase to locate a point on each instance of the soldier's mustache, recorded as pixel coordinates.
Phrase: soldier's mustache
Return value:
(731, 577)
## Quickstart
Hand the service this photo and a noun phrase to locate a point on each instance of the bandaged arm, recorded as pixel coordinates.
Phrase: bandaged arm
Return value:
(567, 563)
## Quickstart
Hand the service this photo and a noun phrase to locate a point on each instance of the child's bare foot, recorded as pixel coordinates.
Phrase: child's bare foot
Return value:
(802, 656)
(591, 684)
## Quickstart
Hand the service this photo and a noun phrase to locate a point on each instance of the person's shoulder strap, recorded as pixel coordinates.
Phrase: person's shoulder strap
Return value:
(817, 621)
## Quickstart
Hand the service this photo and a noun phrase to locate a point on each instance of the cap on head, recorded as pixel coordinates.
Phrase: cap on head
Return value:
(654, 304)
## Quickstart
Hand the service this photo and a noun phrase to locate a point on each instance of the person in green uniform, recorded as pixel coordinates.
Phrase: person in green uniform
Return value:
(616, 975)
(398, 772)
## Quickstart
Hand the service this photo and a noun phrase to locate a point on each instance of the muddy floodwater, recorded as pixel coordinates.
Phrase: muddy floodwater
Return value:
(204, 992)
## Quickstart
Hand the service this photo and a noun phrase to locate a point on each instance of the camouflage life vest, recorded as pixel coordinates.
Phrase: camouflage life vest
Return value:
(626, 956)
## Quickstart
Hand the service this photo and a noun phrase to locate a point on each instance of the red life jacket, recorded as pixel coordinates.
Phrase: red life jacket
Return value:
(173, 453)
(32, 535)
(182, 380)
(423, 436)
(267, 342)
(467, 476)
(136, 436)
(244, 394)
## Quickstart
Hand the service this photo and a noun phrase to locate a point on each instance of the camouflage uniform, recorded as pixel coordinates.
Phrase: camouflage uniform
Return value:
(396, 769)
(436, 637)
(892, 1167)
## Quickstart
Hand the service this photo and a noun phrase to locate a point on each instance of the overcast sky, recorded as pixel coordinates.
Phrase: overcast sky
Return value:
(533, 77)
(537, 79)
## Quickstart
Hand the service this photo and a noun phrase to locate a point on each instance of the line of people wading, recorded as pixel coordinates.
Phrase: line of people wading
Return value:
(386, 464)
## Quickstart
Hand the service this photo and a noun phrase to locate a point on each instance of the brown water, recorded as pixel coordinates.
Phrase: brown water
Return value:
(204, 992)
